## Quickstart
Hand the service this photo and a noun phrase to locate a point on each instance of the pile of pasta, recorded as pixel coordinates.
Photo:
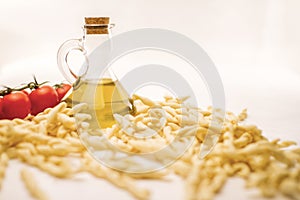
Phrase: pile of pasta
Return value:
(50, 142)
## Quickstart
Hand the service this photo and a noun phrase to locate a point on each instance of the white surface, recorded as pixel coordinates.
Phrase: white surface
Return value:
(255, 45)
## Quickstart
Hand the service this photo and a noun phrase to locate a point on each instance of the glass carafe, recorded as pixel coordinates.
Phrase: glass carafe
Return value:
(103, 94)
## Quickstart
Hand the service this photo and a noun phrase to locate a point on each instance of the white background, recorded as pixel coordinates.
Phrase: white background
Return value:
(255, 45)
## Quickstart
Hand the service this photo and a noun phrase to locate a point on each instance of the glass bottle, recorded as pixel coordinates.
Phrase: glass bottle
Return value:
(105, 96)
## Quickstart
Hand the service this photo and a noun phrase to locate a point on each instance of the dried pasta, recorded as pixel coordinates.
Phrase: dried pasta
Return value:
(32, 185)
(49, 141)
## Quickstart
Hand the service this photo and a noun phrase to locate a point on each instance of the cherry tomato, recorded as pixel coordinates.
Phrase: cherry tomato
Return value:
(1, 112)
(15, 105)
(62, 90)
(42, 98)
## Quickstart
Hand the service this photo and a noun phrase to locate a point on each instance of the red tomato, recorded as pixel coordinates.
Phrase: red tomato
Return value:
(42, 98)
(62, 90)
(15, 105)
(1, 112)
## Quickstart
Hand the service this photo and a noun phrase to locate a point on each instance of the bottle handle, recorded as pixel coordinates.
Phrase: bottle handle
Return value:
(62, 58)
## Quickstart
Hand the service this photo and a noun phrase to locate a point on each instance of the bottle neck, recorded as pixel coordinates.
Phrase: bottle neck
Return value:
(92, 41)
(100, 58)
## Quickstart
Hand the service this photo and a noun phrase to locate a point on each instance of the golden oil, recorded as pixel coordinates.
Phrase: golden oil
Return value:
(105, 97)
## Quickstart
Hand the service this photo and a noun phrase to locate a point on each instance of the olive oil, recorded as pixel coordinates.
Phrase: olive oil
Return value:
(104, 97)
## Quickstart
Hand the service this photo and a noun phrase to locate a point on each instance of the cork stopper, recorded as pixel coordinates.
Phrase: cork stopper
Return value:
(97, 25)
